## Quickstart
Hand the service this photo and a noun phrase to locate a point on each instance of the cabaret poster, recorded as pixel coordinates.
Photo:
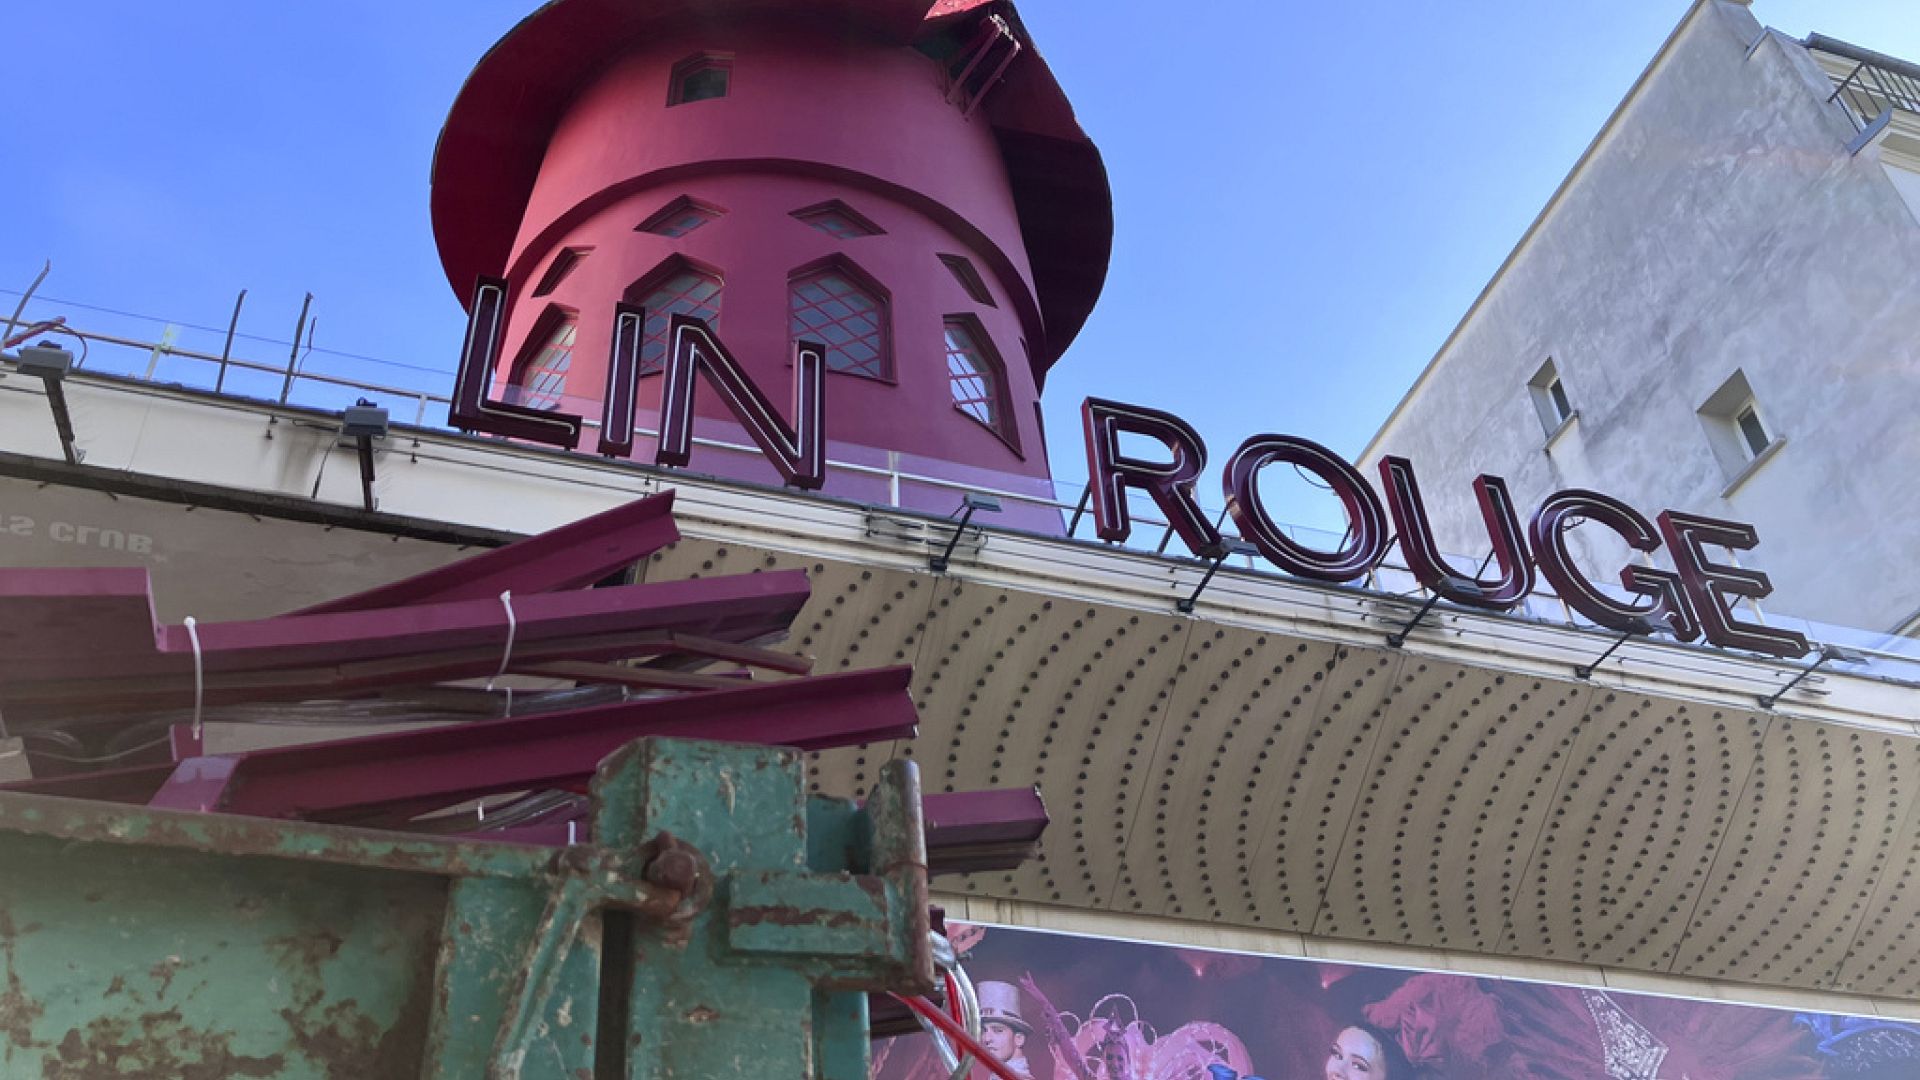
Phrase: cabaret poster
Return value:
(1064, 1007)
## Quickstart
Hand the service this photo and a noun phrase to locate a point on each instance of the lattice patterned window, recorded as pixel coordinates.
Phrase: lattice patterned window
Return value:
(975, 374)
(684, 291)
(540, 381)
(680, 217)
(838, 220)
(831, 306)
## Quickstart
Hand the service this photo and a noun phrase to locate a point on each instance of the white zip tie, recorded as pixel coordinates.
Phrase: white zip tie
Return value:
(506, 657)
(199, 677)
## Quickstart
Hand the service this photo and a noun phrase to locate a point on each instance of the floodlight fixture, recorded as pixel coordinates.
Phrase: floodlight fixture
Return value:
(364, 422)
(45, 360)
(970, 503)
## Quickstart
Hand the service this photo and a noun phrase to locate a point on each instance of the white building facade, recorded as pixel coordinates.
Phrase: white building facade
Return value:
(1715, 313)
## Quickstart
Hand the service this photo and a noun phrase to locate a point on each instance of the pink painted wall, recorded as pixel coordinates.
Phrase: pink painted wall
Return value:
(809, 116)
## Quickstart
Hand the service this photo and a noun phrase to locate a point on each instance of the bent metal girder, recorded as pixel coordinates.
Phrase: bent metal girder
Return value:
(723, 925)
(704, 918)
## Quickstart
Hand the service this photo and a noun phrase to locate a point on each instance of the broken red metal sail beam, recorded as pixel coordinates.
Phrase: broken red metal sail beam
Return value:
(464, 761)
(968, 832)
(569, 557)
(976, 831)
(86, 636)
(143, 694)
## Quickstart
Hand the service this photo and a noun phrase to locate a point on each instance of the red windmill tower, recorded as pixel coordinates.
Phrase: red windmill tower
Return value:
(905, 187)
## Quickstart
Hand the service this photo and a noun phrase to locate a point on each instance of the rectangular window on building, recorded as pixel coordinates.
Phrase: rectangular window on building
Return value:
(1751, 430)
(1735, 427)
(1558, 392)
(1550, 400)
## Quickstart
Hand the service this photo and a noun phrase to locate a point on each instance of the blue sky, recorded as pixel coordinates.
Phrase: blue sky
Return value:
(1307, 196)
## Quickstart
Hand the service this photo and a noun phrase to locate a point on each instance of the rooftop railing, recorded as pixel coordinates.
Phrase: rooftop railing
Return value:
(1873, 85)
(1390, 592)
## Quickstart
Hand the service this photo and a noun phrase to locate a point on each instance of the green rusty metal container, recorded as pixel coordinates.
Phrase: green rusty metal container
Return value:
(722, 925)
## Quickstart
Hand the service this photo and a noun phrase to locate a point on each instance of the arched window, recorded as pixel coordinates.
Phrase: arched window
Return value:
(540, 378)
(677, 288)
(977, 376)
(834, 305)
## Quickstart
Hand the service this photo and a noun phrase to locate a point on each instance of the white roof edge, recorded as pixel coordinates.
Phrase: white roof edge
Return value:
(1553, 203)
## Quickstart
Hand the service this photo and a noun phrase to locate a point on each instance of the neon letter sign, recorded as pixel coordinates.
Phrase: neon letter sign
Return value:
(1548, 531)
(1366, 522)
(799, 452)
(1169, 483)
(1423, 553)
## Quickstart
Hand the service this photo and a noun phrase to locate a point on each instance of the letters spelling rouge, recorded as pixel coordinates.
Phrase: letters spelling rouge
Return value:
(1691, 601)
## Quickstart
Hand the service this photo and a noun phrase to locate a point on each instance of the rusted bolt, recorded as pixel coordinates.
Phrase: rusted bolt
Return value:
(574, 861)
(674, 868)
(672, 864)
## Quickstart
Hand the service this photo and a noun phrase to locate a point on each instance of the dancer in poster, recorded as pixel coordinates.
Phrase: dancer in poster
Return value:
(1364, 1052)
(1115, 1043)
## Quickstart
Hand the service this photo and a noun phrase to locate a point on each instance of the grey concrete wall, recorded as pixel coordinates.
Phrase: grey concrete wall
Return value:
(1719, 226)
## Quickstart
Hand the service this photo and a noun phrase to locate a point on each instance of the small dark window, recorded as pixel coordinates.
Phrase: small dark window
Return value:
(1561, 406)
(962, 270)
(680, 217)
(1550, 398)
(700, 78)
(1736, 431)
(563, 264)
(838, 220)
(1752, 431)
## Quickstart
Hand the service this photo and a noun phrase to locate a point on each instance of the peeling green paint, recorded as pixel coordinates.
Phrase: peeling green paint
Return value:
(137, 943)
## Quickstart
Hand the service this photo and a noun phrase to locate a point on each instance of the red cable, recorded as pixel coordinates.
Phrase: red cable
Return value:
(953, 1030)
(954, 1008)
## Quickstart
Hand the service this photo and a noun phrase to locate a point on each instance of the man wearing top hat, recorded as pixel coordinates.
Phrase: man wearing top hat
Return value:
(1003, 1030)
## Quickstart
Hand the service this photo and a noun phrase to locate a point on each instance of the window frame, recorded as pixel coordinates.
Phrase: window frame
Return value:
(666, 270)
(1721, 416)
(968, 275)
(694, 65)
(1005, 427)
(1557, 393)
(1750, 411)
(551, 319)
(1552, 402)
(840, 264)
(810, 215)
(674, 208)
(564, 263)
